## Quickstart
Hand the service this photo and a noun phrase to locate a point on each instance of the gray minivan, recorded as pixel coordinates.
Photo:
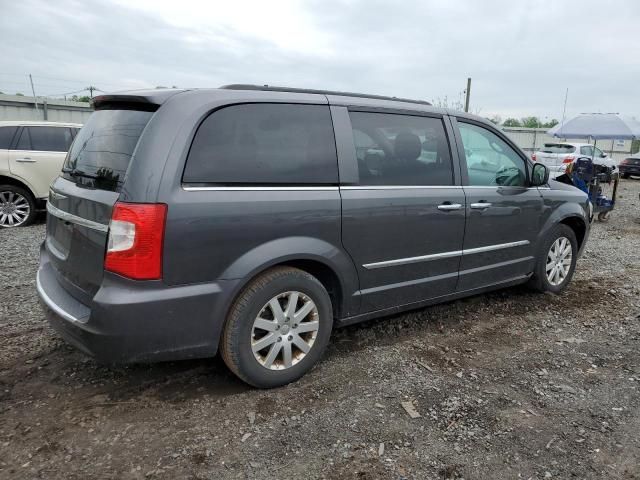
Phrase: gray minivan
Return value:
(255, 219)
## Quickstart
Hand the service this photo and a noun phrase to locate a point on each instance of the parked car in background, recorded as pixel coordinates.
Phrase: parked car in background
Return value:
(255, 219)
(557, 156)
(31, 156)
(630, 166)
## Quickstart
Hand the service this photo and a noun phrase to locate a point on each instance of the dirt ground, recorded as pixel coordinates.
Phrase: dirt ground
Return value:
(511, 384)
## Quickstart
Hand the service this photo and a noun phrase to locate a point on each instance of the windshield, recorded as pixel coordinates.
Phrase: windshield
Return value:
(558, 148)
(102, 150)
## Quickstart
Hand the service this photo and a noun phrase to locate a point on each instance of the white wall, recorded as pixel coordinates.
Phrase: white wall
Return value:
(531, 139)
(16, 107)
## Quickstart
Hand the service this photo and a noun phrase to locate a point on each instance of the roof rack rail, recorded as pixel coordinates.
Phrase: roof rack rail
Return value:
(270, 88)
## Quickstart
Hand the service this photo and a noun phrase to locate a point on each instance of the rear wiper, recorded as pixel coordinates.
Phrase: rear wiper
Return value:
(74, 172)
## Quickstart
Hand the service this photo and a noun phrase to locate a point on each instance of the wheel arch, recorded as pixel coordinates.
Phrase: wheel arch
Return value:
(579, 227)
(7, 180)
(329, 264)
(573, 216)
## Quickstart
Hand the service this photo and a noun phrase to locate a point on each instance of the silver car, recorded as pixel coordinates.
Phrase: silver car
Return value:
(557, 156)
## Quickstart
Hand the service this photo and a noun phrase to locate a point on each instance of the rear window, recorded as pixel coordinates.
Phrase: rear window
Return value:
(558, 148)
(102, 149)
(264, 144)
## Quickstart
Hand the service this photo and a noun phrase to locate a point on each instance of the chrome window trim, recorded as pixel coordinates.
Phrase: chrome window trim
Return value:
(439, 256)
(344, 187)
(258, 189)
(53, 305)
(69, 217)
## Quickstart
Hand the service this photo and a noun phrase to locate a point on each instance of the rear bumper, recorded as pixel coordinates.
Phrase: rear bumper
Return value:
(630, 169)
(129, 321)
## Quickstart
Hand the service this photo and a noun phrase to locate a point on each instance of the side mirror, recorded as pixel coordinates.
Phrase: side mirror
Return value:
(539, 175)
(604, 155)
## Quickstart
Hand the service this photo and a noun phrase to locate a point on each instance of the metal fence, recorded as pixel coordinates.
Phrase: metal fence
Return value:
(532, 139)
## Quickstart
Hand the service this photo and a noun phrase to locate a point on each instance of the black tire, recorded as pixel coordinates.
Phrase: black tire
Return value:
(625, 175)
(12, 189)
(539, 280)
(236, 340)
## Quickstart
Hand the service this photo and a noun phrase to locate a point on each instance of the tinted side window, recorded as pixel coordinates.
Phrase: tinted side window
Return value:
(50, 139)
(490, 160)
(24, 142)
(6, 135)
(396, 149)
(264, 144)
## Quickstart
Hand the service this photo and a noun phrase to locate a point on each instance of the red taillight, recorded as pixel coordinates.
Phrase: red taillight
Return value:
(136, 235)
(568, 159)
(533, 157)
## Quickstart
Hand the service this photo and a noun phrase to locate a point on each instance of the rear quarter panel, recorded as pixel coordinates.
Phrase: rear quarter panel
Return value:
(234, 233)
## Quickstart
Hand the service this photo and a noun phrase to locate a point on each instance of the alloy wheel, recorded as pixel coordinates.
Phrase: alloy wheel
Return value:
(14, 209)
(559, 261)
(285, 330)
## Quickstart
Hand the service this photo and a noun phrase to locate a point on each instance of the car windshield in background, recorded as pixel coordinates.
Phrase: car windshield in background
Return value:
(101, 152)
(558, 148)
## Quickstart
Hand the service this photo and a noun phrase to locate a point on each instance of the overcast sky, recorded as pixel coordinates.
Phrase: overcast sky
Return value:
(522, 55)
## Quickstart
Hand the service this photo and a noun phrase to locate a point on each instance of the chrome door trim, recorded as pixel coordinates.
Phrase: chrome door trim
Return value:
(407, 261)
(258, 189)
(69, 217)
(439, 256)
(491, 248)
(399, 187)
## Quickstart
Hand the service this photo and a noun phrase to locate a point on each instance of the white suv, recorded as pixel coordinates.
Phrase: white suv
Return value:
(557, 156)
(31, 157)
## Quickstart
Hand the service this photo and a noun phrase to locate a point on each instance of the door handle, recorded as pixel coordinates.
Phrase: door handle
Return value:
(25, 160)
(450, 206)
(480, 205)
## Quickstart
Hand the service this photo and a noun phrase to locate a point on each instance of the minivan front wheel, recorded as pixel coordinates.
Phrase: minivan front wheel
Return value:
(556, 261)
(278, 328)
(17, 207)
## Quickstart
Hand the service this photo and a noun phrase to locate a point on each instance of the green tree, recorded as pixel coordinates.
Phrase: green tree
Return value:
(512, 122)
(19, 94)
(551, 123)
(531, 122)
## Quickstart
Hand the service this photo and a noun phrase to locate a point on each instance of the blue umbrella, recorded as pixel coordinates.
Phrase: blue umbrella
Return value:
(598, 126)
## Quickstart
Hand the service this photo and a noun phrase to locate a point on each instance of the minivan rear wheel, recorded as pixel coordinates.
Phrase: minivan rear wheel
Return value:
(278, 328)
(17, 207)
(556, 260)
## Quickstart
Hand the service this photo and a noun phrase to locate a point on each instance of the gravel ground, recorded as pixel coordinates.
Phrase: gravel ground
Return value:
(507, 385)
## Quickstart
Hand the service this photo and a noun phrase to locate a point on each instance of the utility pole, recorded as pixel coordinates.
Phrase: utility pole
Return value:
(35, 99)
(467, 95)
(564, 109)
(91, 89)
